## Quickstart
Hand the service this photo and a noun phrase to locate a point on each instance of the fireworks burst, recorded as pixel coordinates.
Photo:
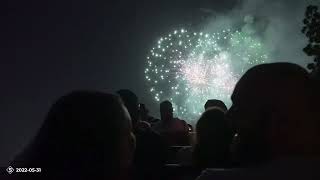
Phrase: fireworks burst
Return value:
(188, 68)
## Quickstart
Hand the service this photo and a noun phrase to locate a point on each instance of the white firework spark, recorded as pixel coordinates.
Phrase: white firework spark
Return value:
(188, 68)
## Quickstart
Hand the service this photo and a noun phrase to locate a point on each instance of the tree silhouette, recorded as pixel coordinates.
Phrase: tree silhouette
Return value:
(311, 29)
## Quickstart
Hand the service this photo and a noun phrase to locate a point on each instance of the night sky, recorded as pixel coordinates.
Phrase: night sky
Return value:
(51, 48)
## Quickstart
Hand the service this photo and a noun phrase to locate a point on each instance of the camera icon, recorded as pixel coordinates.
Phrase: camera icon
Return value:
(10, 170)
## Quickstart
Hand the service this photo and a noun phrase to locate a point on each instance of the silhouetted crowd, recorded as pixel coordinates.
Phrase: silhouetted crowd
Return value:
(271, 131)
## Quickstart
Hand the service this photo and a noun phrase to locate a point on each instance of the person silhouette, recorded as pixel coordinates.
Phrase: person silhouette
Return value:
(173, 130)
(277, 125)
(86, 135)
(213, 139)
(150, 155)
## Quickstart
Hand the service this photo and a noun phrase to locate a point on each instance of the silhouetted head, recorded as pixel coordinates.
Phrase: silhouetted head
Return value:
(86, 135)
(271, 112)
(131, 102)
(212, 125)
(213, 138)
(215, 103)
(166, 111)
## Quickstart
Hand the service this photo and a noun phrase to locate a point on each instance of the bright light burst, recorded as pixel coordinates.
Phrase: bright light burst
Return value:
(188, 68)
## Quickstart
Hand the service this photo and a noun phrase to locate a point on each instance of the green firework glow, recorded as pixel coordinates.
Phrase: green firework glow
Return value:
(188, 68)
